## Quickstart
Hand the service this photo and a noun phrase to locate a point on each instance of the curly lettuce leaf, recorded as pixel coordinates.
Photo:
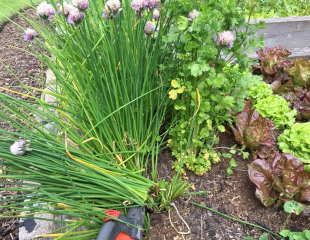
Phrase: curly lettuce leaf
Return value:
(296, 141)
(300, 71)
(300, 100)
(252, 130)
(277, 109)
(278, 177)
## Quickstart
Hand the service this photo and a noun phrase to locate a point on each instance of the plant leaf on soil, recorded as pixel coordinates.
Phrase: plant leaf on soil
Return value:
(279, 177)
(252, 130)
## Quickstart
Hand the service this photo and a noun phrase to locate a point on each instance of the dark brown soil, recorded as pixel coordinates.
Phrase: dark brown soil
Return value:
(232, 195)
(18, 65)
(18, 69)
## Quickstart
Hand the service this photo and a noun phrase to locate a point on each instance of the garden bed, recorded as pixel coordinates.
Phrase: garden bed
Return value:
(232, 195)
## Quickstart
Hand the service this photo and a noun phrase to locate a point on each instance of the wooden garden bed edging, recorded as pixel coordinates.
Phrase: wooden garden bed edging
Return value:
(292, 33)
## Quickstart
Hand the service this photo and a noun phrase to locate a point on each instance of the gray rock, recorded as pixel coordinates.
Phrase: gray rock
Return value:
(33, 228)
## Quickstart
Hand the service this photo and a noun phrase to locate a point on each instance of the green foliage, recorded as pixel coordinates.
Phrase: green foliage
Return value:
(205, 87)
(9, 8)
(289, 78)
(293, 207)
(231, 154)
(277, 109)
(296, 141)
(59, 178)
(232, 164)
(259, 90)
(304, 235)
(111, 103)
(264, 236)
(278, 8)
(111, 90)
(287, 234)
(271, 106)
(248, 238)
(167, 191)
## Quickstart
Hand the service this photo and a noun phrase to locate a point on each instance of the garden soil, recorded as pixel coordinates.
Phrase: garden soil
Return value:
(233, 195)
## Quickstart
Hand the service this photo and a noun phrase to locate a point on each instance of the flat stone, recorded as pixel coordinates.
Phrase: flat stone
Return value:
(32, 228)
(50, 78)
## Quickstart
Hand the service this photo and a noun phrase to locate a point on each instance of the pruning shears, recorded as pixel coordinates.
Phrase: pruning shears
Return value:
(128, 228)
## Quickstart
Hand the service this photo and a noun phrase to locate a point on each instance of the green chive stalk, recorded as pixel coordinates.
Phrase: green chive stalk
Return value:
(111, 104)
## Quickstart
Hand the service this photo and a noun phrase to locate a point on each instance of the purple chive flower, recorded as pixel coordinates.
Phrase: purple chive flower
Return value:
(30, 34)
(106, 14)
(113, 5)
(154, 4)
(137, 5)
(65, 8)
(226, 38)
(149, 28)
(145, 3)
(81, 4)
(111, 8)
(46, 11)
(156, 14)
(193, 14)
(75, 16)
(151, 4)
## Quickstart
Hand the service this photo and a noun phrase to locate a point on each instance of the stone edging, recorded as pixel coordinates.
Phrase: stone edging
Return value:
(31, 228)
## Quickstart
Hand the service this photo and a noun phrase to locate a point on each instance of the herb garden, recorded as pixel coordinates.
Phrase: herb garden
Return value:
(152, 122)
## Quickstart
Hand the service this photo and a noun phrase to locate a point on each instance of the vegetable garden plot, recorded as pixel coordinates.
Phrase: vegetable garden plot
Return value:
(108, 140)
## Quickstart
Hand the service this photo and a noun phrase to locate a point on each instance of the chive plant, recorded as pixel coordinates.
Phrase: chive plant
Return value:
(111, 87)
(111, 103)
(55, 176)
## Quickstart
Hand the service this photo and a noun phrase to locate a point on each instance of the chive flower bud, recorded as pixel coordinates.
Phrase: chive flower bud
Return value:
(137, 5)
(111, 8)
(113, 5)
(46, 11)
(226, 38)
(64, 8)
(19, 147)
(151, 4)
(81, 4)
(106, 14)
(156, 14)
(149, 28)
(30, 34)
(193, 14)
(75, 16)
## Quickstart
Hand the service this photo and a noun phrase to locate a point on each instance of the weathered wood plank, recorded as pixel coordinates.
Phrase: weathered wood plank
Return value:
(292, 33)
